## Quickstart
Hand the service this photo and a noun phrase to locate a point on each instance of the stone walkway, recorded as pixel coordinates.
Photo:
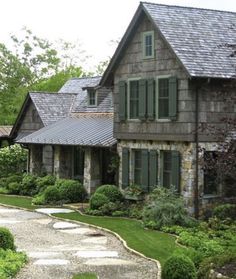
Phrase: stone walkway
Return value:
(59, 249)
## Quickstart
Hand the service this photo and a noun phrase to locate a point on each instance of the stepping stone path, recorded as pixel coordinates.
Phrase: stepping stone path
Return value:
(60, 249)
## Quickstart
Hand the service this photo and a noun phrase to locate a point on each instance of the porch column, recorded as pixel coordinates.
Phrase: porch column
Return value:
(56, 160)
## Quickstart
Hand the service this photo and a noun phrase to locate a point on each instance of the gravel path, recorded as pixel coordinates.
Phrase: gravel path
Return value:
(60, 249)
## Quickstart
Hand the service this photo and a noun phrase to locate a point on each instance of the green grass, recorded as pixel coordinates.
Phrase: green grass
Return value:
(17, 201)
(153, 244)
(85, 276)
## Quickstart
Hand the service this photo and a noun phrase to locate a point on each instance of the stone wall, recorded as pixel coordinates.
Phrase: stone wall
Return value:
(187, 166)
(36, 162)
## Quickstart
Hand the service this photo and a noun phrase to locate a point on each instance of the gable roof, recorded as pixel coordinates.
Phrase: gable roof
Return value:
(202, 40)
(87, 130)
(76, 85)
(52, 106)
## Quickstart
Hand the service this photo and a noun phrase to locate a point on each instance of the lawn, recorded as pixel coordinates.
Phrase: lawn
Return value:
(153, 244)
(17, 201)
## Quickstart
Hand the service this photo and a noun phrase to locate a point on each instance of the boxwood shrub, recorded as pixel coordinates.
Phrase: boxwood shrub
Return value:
(98, 200)
(6, 239)
(179, 267)
(112, 192)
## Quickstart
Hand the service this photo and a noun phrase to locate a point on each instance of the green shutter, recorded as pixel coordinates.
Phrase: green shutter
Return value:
(153, 165)
(173, 98)
(144, 164)
(151, 99)
(161, 167)
(142, 99)
(122, 100)
(175, 169)
(125, 167)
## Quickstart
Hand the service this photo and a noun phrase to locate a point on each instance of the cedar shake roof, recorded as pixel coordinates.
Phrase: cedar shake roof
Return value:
(203, 40)
(52, 107)
(87, 130)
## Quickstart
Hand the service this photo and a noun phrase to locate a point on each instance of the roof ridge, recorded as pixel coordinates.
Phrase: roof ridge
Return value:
(51, 93)
(187, 7)
(85, 77)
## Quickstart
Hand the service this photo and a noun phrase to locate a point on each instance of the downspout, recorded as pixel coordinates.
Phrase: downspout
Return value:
(196, 191)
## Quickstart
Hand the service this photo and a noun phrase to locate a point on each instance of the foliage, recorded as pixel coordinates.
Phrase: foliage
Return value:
(165, 208)
(70, 190)
(112, 192)
(134, 190)
(6, 239)
(110, 207)
(179, 267)
(225, 211)
(135, 210)
(28, 185)
(98, 200)
(86, 275)
(52, 195)
(12, 160)
(14, 188)
(214, 263)
(10, 263)
(43, 182)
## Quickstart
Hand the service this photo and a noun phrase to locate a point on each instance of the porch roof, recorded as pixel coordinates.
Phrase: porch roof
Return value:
(87, 130)
(5, 131)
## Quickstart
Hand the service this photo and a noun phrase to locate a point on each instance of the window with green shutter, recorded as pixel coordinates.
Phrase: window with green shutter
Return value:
(153, 167)
(170, 169)
(142, 99)
(137, 167)
(167, 97)
(151, 99)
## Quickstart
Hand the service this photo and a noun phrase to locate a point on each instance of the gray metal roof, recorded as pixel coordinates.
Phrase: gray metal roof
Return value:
(87, 130)
(76, 85)
(203, 40)
(5, 131)
(52, 106)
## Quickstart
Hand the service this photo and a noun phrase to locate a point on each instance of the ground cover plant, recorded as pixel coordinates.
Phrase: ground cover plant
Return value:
(10, 260)
(85, 275)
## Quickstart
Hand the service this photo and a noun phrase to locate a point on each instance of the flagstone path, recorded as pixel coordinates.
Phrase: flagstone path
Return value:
(59, 249)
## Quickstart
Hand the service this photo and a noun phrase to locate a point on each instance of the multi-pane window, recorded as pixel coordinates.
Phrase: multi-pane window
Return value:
(163, 98)
(91, 98)
(211, 179)
(137, 167)
(167, 166)
(78, 163)
(133, 99)
(148, 44)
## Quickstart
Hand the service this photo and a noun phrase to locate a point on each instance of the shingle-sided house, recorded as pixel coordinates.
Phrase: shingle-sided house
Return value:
(170, 74)
(69, 133)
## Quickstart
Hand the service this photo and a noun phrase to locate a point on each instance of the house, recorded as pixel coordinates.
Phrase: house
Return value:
(69, 133)
(5, 135)
(170, 75)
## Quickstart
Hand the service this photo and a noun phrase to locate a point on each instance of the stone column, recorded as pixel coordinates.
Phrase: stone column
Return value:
(56, 160)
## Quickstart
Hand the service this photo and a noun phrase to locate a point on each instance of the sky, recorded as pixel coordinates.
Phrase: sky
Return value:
(93, 24)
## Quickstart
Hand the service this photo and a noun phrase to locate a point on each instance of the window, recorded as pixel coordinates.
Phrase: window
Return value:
(144, 166)
(137, 167)
(134, 99)
(211, 179)
(148, 44)
(170, 169)
(92, 98)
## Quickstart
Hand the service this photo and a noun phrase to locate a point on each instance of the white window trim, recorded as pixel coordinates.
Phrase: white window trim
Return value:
(157, 98)
(144, 34)
(95, 105)
(128, 99)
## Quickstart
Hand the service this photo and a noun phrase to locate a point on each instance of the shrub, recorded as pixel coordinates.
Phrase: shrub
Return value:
(28, 185)
(43, 182)
(214, 263)
(165, 208)
(14, 188)
(98, 200)
(12, 160)
(112, 192)
(179, 267)
(71, 190)
(52, 195)
(39, 199)
(110, 207)
(119, 213)
(6, 239)
(225, 211)
(5, 181)
(10, 263)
